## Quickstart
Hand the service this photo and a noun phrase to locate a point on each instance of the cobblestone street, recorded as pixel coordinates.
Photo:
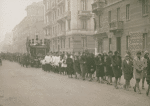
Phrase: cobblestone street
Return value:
(33, 87)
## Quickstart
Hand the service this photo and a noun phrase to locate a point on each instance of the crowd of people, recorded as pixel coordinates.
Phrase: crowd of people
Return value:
(102, 66)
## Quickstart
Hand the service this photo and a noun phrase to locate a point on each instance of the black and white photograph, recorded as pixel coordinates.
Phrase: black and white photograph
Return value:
(74, 52)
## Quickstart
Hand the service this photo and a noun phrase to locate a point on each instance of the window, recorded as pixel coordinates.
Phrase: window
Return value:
(127, 42)
(36, 37)
(41, 41)
(32, 41)
(44, 41)
(109, 43)
(127, 11)
(83, 4)
(69, 42)
(118, 14)
(94, 24)
(144, 40)
(61, 43)
(109, 16)
(86, 42)
(144, 7)
(64, 43)
(82, 42)
(29, 41)
(69, 24)
(84, 24)
(99, 21)
(68, 5)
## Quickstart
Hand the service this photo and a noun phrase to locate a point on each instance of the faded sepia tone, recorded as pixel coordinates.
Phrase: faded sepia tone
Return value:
(75, 53)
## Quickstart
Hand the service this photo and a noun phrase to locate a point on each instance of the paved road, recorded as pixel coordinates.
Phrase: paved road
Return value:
(33, 87)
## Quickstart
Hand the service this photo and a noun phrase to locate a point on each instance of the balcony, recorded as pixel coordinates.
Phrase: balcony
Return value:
(64, 16)
(97, 6)
(116, 26)
(84, 14)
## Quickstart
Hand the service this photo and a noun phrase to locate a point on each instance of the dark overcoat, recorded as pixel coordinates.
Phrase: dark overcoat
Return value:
(91, 65)
(109, 67)
(127, 70)
(99, 66)
(83, 64)
(69, 63)
(77, 66)
(116, 66)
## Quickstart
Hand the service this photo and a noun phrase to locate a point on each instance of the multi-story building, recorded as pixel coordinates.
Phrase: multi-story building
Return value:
(30, 28)
(121, 25)
(69, 25)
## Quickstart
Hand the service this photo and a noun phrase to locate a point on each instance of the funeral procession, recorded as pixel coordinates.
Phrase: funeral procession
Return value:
(75, 53)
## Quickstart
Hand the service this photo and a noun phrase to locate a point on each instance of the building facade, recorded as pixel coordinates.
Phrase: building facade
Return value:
(30, 28)
(69, 25)
(121, 25)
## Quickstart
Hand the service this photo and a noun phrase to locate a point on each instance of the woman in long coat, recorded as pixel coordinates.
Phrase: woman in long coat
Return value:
(83, 65)
(69, 63)
(91, 65)
(99, 61)
(109, 71)
(116, 66)
(138, 68)
(148, 77)
(144, 59)
(127, 70)
(77, 66)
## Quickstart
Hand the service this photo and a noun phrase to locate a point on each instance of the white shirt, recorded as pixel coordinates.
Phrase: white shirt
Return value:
(47, 59)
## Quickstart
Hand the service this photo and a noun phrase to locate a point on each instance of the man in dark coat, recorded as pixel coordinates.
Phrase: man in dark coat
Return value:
(83, 65)
(109, 71)
(69, 63)
(116, 66)
(91, 65)
(99, 61)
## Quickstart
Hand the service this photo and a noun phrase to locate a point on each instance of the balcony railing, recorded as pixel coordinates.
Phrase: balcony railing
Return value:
(116, 26)
(97, 5)
(84, 14)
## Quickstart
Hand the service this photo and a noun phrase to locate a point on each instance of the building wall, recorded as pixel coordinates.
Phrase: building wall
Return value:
(75, 33)
(135, 27)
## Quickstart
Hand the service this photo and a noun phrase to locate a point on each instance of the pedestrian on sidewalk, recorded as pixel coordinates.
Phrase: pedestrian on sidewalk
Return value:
(105, 71)
(148, 76)
(116, 66)
(144, 59)
(109, 71)
(69, 63)
(83, 65)
(138, 68)
(91, 65)
(131, 60)
(77, 66)
(99, 61)
(127, 70)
